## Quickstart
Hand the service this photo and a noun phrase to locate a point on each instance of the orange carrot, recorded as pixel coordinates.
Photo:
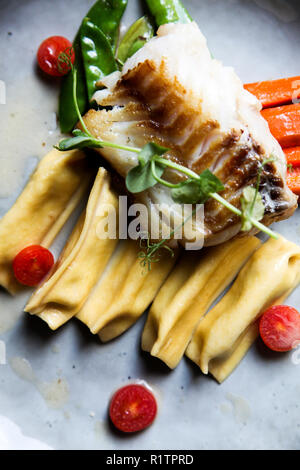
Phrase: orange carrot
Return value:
(284, 123)
(293, 180)
(293, 156)
(276, 92)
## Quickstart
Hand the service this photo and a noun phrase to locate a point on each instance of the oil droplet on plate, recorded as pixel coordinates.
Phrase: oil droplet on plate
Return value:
(241, 408)
(55, 393)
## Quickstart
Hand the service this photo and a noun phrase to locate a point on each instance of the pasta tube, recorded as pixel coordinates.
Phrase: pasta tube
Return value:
(223, 366)
(267, 278)
(51, 195)
(124, 292)
(187, 295)
(85, 257)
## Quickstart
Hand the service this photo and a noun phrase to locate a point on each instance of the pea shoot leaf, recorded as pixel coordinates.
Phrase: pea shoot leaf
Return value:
(188, 193)
(210, 183)
(141, 177)
(149, 151)
(252, 207)
(79, 141)
(78, 132)
(194, 191)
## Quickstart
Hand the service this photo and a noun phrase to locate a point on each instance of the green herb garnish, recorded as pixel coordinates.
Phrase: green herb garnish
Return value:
(144, 176)
(253, 208)
(151, 254)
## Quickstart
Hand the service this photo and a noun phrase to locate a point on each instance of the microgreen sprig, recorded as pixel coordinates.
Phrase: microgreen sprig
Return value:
(150, 169)
(251, 201)
(152, 253)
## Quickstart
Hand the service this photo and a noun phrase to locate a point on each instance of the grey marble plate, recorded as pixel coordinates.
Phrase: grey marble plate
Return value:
(54, 387)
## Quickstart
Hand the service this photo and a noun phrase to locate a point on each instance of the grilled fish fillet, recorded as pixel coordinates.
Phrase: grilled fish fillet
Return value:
(174, 93)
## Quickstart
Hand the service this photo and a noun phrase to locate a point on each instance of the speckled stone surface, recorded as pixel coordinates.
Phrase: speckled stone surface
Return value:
(258, 406)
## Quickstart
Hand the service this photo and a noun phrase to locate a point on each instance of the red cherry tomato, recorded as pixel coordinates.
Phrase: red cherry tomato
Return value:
(48, 54)
(132, 408)
(280, 328)
(32, 264)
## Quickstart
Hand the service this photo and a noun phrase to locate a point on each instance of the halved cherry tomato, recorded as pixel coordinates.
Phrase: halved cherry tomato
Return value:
(132, 408)
(48, 54)
(280, 328)
(32, 264)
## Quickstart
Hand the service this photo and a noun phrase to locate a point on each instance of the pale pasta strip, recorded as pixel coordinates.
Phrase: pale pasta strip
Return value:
(52, 193)
(124, 292)
(85, 257)
(223, 366)
(188, 293)
(268, 278)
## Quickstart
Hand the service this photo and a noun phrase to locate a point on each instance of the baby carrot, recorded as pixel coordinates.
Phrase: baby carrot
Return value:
(276, 92)
(293, 180)
(284, 123)
(293, 156)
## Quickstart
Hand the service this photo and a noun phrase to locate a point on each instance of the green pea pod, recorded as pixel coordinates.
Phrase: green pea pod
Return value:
(135, 38)
(168, 11)
(106, 14)
(97, 54)
(66, 110)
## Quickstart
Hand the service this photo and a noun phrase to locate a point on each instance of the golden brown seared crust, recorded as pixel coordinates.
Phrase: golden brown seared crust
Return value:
(177, 117)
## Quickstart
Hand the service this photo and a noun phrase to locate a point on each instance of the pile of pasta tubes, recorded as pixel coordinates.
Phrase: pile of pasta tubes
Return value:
(101, 282)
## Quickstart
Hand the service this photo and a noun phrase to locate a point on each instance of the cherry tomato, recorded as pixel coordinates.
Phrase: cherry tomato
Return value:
(32, 264)
(280, 328)
(48, 54)
(132, 408)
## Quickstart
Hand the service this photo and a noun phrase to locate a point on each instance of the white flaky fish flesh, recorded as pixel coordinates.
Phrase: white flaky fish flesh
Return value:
(174, 93)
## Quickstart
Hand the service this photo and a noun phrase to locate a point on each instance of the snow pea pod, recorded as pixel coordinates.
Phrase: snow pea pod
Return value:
(66, 110)
(97, 54)
(106, 14)
(168, 11)
(135, 38)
